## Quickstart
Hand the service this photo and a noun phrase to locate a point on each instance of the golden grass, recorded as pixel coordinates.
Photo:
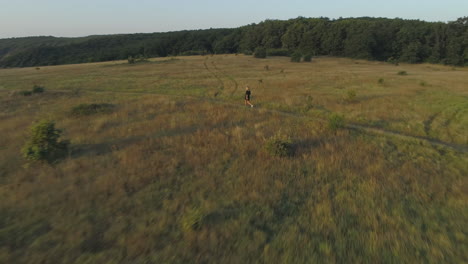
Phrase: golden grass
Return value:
(176, 174)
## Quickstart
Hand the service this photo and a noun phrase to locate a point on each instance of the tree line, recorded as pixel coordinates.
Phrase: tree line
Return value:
(393, 40)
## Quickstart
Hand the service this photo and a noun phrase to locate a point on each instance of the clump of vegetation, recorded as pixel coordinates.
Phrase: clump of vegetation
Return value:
(296, 57)
(423, 83)
(91, 109)
(381, 81)
(44, 144)
(280, 146)
(350, 96)
(192, 219)
(402, 73)
(35, 90)
(267, 68)
(260, 53)
(38, 89)
(336, 122)
(308, 57)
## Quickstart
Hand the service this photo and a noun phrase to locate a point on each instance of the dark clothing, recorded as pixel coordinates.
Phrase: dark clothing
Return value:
(247, 95)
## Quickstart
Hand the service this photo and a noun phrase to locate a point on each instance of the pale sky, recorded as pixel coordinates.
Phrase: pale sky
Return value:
(73, 18)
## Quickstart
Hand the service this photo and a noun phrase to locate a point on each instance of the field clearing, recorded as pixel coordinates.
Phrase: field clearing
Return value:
(178, 172)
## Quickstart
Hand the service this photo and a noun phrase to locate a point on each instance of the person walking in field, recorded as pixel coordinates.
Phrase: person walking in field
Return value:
(247, 97)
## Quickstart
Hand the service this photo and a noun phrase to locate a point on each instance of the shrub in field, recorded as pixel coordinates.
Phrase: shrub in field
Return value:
(192, 219)
(308, 57)
(38, 89)
(381, 81)
(402, 73)
(260, 53)
(280, 146)
(336, 122)
(44, 144)
(296, 57)
(131, 60)
(90, 109)
(423, 83)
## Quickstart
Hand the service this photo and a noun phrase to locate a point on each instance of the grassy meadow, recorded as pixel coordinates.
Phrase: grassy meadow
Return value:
(177, 171)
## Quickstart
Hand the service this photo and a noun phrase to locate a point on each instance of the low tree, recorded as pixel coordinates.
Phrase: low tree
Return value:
(44, 144)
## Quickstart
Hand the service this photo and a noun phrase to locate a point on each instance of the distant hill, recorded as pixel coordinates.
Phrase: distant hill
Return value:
(394, 40)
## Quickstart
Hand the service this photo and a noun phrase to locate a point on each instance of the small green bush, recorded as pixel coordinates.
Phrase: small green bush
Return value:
(402, 73)
(423, 83)
(336, 122)
(308, 57)
(260, 53)
(38, 89)
(131, 60)
(280, 146)
(91, 109)
(192, 219)
(44, 144)
(296, 57)
(381, 81)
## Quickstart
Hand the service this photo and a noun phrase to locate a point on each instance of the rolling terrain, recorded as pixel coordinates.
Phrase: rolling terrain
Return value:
(178, 172)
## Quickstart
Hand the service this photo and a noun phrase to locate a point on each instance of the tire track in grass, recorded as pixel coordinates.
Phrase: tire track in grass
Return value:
(428, 123)
(221, 87)
(236, 84)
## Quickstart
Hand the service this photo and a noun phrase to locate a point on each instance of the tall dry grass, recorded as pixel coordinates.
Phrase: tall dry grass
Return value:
(175, 174)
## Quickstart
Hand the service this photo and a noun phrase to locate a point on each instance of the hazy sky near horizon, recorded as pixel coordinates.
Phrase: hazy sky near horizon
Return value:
(73, 18)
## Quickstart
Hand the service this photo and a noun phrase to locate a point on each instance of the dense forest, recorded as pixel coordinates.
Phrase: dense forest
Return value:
(394, 40)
